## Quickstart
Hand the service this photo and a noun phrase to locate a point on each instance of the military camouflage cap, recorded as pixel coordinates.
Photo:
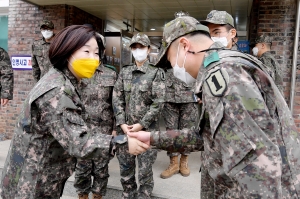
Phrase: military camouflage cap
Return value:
(176, 28)
(263, 39)
(140, 38)
(47, 23)
(218, 17)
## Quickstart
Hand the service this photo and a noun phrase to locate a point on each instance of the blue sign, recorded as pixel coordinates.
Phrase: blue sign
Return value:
(244, 46)
(21, 62)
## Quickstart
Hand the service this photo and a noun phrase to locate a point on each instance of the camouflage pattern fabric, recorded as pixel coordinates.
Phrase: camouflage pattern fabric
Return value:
(263, 39)
(49, 134)
(275, 70)
(138, 97)
(6, 76)
(180, 110)
(251, 147)
(40, 59)
(218, 17)
(47, 23)
(97, 99)
(140, 38)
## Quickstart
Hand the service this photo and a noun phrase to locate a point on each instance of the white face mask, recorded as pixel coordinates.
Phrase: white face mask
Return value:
(180, 72)
(47, 34)
(255, 51)
(140, 54)
(223, 40)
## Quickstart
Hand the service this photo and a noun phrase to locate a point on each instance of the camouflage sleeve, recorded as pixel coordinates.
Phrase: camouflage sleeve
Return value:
(177, 140)
(269, 66)
(118, 101)
(67, 126)
(6, 76)
(36, 71)
(275, 71)
(158, 93)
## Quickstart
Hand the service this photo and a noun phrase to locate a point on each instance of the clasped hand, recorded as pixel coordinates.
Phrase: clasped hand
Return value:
(138, 141)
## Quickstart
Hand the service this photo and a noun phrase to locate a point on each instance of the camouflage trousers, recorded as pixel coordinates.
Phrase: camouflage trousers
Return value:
(84, 171)
(179, 116)
(145, 174)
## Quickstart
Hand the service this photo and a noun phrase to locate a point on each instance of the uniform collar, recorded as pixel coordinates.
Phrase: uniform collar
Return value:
(201, 76)
(71, 77)
(143, 68)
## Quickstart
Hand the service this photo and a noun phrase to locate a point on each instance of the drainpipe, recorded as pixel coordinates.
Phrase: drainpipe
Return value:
(294, 69)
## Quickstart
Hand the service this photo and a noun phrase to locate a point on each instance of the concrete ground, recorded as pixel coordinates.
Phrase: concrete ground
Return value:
(176, 187)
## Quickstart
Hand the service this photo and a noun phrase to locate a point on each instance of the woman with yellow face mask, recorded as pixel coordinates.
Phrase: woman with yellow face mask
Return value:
(51, 130)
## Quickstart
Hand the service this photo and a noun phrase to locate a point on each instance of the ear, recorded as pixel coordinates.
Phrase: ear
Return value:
(183, 41)
(232, 33)
(263, 45)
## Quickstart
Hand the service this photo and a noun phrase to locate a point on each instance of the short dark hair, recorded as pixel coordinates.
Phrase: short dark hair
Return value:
(67, 41)
(198, 32)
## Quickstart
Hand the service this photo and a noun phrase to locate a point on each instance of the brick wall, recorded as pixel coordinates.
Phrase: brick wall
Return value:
(278, 18)
(23, 29)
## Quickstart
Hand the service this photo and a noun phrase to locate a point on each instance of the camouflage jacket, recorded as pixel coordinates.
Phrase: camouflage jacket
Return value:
(97, 99)
(6, 76)
(138, 95)
(49, 134)
(243, 111)
(177, 91)
(40, 59)
(274, 69)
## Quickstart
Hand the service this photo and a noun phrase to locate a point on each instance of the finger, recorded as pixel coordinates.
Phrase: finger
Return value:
(144, 145)
(131, 134)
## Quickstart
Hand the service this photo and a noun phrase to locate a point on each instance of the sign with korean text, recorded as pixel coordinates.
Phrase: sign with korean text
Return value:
(21, 62)
(244, 46)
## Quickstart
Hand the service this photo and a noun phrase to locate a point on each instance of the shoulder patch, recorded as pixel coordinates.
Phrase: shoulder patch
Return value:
(216, 83)
(213, 57)
(110, 67)
(128, 65)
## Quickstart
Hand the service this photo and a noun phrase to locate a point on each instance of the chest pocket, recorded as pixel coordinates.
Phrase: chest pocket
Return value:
(127, 83)
(145, 93)
(107, 84)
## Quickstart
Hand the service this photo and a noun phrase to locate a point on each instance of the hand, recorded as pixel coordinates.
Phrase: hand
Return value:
(199, 101)
(4, 102)
(141, 135)
(135, 128)
(136, 147)
(125, 128)
(114, 133)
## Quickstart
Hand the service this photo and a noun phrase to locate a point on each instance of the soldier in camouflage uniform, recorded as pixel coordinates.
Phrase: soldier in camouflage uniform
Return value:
(51, 129)
(180, 111)
(6, 78)
(40, 50)
(97, 99)
(219, 23)
(262, 51)
(221, 28)
(251, 143)
(137, 101)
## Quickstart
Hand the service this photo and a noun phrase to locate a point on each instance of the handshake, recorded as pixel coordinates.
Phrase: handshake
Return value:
(138, 141)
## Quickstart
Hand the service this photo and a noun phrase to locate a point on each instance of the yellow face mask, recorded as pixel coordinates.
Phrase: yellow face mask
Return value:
(85, 68)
